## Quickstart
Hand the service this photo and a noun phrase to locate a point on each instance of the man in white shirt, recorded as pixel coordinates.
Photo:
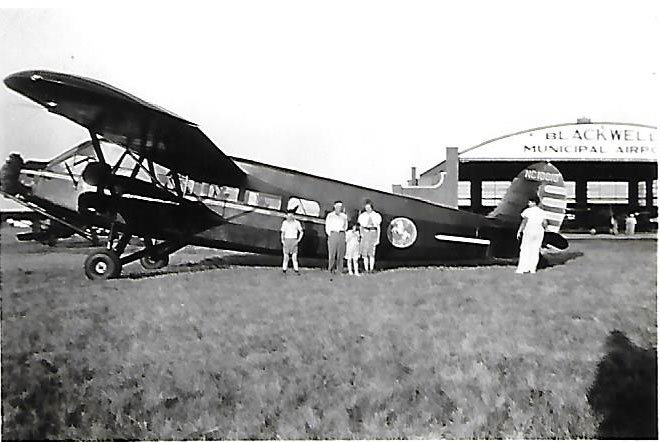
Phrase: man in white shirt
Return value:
(292, 233)
(336, 224)
(369, 222)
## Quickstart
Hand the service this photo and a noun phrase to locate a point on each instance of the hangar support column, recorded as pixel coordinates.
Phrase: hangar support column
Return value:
(475, 195)
(581, 202)
(633, 195)
(649, 194)
(581, 194)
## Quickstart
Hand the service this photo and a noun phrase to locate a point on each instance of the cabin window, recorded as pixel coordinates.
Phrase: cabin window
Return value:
(492, 192)
(170, 183)
(197, 188)
(188, 186)
(204, 191)
(607, 192)
(111, 153)
(223, 193)
(570, 191)
(79, 164)
(164, 179)
(73, 166)
(262, 199)
(74, 163)
(304, 207)
(464, 193)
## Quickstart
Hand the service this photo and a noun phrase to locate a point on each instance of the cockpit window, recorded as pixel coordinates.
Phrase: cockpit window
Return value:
(224, 193)
(304, 207)
(74, 161)
(262, 199)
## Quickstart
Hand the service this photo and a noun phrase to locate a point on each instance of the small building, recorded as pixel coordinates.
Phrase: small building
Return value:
(610, 170)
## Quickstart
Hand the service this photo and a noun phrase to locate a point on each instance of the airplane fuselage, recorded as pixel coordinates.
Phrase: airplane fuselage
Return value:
(248, 217)
(285, 188)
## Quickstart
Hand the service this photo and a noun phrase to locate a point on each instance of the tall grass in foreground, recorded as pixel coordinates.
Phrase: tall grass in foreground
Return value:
(246, 353)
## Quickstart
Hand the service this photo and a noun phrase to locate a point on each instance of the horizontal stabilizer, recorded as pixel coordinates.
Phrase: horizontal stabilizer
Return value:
(555, 240)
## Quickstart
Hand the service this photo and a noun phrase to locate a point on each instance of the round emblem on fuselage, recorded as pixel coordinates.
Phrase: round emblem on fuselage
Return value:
(402, 232)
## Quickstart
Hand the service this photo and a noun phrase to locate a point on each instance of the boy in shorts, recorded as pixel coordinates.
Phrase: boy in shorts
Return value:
(292, 233)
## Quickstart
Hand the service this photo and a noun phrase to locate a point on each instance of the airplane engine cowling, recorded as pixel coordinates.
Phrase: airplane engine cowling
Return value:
(10, 174)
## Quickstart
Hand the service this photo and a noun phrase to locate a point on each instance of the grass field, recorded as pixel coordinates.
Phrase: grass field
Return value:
(248, 353)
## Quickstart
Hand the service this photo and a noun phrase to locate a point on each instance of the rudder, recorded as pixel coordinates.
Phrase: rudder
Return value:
(543, 180)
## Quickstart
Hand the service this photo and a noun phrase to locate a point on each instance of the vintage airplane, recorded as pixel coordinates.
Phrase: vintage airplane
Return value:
(148, 173)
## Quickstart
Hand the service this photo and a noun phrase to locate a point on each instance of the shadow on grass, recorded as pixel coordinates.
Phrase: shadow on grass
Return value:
(217, 262)
(625, 391)
(256, 260)
(550, 260)
(188, 267)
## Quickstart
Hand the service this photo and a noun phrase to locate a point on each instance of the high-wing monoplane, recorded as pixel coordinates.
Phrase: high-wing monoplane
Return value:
(148, 173)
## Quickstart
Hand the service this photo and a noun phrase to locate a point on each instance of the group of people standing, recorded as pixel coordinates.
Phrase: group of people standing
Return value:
(352, 240)
(630, 222)
(346, 240)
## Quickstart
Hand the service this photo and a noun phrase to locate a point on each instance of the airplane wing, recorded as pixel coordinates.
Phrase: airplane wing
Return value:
(130, 122)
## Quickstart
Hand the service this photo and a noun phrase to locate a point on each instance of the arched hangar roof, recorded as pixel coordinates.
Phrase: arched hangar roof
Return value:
(582, 141)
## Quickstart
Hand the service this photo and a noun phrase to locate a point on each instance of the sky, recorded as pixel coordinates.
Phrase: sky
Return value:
(357, 91)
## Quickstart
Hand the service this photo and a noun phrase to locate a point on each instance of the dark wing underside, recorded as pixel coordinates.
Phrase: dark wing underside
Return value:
(141, 127)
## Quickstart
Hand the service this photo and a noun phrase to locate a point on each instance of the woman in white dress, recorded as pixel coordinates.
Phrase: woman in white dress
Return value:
(532, 229)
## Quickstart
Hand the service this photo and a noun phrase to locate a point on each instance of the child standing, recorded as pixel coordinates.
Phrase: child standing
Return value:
(292, 233)
(353, 249)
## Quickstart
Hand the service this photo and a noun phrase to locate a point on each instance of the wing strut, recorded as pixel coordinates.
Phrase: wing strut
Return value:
(138, 165)
(97, 146)
(115, 168)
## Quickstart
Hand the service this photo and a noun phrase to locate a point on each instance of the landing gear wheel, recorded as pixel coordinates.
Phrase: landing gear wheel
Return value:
(150, 263)
(103, 264)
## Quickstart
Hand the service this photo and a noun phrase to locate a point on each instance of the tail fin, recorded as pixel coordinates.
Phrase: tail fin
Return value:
(543, 180)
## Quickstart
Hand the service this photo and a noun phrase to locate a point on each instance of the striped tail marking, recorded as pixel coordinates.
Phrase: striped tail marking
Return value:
(553, 202)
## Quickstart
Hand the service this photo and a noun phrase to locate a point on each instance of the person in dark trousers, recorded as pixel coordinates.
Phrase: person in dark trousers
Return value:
(336, 224)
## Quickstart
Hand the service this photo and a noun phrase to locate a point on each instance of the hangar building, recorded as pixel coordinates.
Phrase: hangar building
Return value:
(610, 169)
